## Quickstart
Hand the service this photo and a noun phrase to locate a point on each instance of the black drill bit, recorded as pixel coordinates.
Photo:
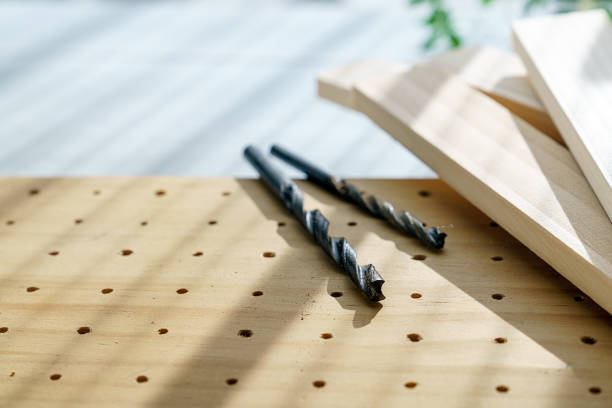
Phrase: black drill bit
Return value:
(402, 220)
(365, 277)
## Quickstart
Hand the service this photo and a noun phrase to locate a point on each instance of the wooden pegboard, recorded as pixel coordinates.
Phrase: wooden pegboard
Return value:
(506, 332)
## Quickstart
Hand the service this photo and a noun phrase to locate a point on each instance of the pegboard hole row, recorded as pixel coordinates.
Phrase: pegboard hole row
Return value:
(128, 252)
(320, 383)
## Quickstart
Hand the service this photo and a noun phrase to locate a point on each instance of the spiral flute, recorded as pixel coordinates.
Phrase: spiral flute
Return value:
(402, 220)
(366, 277)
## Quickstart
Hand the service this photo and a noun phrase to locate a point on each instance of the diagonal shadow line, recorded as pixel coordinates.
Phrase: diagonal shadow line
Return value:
(73, 34)
(275, 86)
(536, 324)
(174, 94)
(99, 260)
(15, 199)
(135, 81)
(166, 259)
(204, 366)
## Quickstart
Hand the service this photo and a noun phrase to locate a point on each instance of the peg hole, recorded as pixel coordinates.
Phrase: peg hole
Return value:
(160, 193)
(142, 379)
(502, 388)
(199, 253)
(411, 384)
(414, 337)
(326, 336)
(10, 222)
(493, 224)
(106, 291)
(54, 253)
(181, 291)
(424, 193)
(269, 254)
(78, 221)
(3, 329)
(144, 223)
(55, 377)
(126, 252)
(497, 296)
(351, 223)
(497, 258)
(258, 293)
(245, 333)
(419, 257)
(162, 331)
(212, 222)
(282, 223)
(595, 390)
(416, 295)
(318, 384)
(32, 289)
(588, 340)
(500, 340)
(83, 330)
(34, 191)
(96, 192)
(336, 294)
(579, 298)
(226, 193)
(231, 381)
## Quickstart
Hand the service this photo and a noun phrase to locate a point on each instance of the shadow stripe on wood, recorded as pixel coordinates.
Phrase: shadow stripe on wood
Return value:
(529, 184)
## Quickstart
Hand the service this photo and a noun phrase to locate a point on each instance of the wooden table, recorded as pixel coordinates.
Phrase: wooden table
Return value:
(158, 291)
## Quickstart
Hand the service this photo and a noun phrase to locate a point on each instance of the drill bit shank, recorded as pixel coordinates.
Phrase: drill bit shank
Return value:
(365, 277)
(402, 220)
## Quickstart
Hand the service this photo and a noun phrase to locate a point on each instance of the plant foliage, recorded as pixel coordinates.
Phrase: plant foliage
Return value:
(442, 28)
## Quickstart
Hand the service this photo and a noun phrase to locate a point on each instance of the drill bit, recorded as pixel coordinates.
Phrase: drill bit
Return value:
(365, 277)
(402, 220)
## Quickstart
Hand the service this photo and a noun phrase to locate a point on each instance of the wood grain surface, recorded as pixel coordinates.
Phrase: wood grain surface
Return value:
(498, 74)
(166, 292)
(500, 163)
(569, 59)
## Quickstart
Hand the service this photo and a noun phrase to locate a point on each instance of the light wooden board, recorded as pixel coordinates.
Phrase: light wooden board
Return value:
(498, 74)
(569, 58)
(502, 165)
(541, 319)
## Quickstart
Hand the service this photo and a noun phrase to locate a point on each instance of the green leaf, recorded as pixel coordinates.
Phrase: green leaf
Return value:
(455, 40)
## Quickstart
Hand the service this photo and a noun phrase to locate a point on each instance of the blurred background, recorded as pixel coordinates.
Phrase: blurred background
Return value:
(180, 87)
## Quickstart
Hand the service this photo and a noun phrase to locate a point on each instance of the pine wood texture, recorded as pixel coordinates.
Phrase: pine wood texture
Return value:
(498, 74)
(569, 59)
(500, 163)
(161, 325)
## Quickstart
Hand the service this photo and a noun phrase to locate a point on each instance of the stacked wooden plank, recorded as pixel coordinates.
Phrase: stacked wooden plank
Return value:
(474, 117)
